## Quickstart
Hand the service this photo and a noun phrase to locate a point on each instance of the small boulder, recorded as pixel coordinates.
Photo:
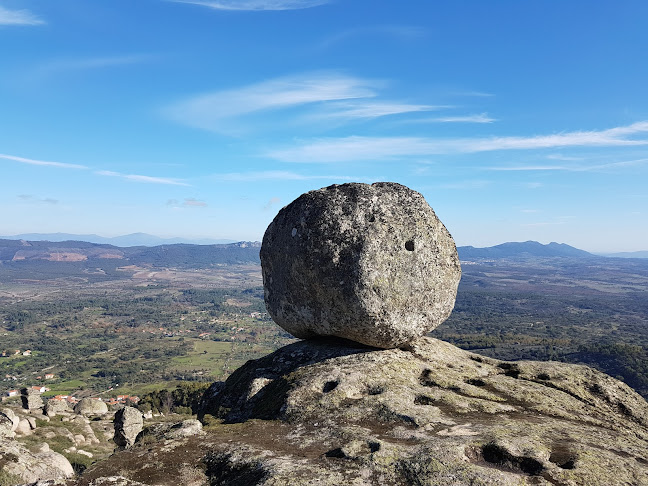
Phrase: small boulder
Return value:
(23, 427)
(91, 406)
(128, 424)
(368, 263)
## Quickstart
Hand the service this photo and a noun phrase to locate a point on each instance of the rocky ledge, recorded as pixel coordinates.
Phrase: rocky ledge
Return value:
(337, 413)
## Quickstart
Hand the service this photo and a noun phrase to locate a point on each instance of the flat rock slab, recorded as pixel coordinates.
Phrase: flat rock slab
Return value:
(368, 263)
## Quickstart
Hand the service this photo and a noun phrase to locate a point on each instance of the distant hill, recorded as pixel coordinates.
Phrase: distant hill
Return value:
(20, 252)
(134, 239)
(527, 249)
(628, 254)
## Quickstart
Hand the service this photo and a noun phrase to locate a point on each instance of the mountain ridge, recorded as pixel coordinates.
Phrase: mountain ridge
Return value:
(132, 239)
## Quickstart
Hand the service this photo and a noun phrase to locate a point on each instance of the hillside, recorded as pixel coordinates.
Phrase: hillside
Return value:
(92, 255)
(527, 249)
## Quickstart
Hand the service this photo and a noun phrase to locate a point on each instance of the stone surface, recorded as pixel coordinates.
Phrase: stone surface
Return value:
(28, 467)
(6, 426)
(24, 428)
(91, 406)
(12, 416)
(431, 414)
(128, 424)
(369, 263)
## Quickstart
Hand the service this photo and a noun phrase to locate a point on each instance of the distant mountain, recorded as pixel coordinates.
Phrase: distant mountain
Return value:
(522, 250)
(627, 254)
(135, 239)
(90, 255)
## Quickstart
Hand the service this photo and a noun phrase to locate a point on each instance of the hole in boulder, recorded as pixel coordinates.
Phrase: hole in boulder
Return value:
(375, 390)
(372, 218)
(423, 400)
(330, 386)
(544, 377)
(374, 446)
(531, 466)
(337, 453)
(511, 370)
(409, 245)
(563, 459)
(496, 454)
(476, 382)
(425, 379)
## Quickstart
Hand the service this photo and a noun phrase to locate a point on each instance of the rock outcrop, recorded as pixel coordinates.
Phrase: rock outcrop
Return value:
(128, 424)
(369, 263)
(24, 466)
(6, 426)
(91, 406)
(335, 413)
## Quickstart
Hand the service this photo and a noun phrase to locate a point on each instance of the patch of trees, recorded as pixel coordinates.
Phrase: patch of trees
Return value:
(184, 399)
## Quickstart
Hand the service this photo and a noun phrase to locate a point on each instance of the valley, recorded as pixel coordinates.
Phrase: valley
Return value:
(161, 316)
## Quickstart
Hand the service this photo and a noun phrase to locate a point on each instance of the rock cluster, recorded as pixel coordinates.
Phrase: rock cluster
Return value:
(368, 263)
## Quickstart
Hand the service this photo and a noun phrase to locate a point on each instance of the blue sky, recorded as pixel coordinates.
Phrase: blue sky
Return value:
(516, 120)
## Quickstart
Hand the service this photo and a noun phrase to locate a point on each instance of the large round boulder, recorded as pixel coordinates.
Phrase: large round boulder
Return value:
(369, 263)
(91, 406)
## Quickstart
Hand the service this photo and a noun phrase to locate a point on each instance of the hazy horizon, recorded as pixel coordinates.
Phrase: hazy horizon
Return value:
(517, 121)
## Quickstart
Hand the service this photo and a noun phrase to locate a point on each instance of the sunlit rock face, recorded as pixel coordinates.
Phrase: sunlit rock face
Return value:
(368, 263)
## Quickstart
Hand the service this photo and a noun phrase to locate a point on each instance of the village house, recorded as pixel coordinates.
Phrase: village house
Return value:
(49, 376)
(12, 393)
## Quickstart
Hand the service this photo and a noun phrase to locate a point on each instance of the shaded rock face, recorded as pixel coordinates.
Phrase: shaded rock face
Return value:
(431, 414)
(91, 406)
(128, 424)
(369, 263)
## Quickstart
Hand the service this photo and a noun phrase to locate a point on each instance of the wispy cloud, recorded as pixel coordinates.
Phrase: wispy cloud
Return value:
(190, 202)
(142, 178)
(30, 198)
(18, 17)
(403, 32)
(56, 66)
(478, 118)
(574, 168)
(248, 5)
(376, 148)
(462, 185)
(216, 111)
(271, 203)
(23, 160)
(364, 109)
(307, 99)
(562, 157)
(277, 175)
